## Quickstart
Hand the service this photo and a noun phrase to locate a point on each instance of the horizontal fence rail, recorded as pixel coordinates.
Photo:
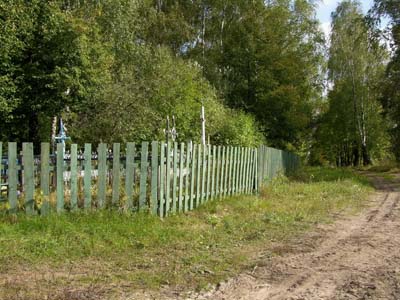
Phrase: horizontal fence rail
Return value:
(163, 178)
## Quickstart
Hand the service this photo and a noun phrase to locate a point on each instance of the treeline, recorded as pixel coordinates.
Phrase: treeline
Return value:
(114, 69)
(358, 124)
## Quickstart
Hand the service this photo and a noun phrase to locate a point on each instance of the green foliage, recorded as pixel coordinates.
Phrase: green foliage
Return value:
(390, 92)
(352, 130)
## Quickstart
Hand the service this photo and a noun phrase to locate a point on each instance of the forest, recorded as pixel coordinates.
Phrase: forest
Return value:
(264, 71)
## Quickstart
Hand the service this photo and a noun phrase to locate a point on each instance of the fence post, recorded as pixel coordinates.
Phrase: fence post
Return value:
(29, 185)
(60, 179)
(88, 176)
(162, 179)
(129, 174)
(102, 174)
(154, 177)
(181, 163)
(45, 177)
(74, 176)
(143, 174)
(116, 173)
(192, 195)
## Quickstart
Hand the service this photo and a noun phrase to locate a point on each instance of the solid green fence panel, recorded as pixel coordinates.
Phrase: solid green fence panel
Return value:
(193, 176)
(213, 166)
(88, 176)
(143, 175)
(102, 175)
(116, 177)
(44, 177)
(60, 179)
(168, 180)
(74, 176)
(187, 175)
(208, 188)
(181, 170)
(175, 177)
(161, 209)
(29, 180)
(198, 177)
(203, 174)
(154, 178)
(129, 174)
(12, 177)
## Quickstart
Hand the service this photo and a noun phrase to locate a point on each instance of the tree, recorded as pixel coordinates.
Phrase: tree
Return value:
(353, 124)
(391, 93)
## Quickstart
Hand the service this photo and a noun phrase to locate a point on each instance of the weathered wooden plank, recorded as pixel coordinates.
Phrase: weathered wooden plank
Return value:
(74, 176)
(102, 176)
(203, 175)
(233, 178)
(249, 174)
(256, 183)
(242, 175)
(12, 177)
(217, 178)
(208, 188)
(230, 170)
(239, 156)
(154, 178)
(129, 174)
(214, 161)
(188, 156)
(161, 209)
(227, 163)
(181, 170)
(193, 176)
(246, 171)
(175, 177)
(44, 177)
(222, 178)
(168, 179)
(29, 184)
(87, 179)
(143, 175)
(116, 177)
(60, 179)
(198, 177)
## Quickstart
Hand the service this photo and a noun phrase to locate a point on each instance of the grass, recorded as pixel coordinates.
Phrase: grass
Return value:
(101, 253)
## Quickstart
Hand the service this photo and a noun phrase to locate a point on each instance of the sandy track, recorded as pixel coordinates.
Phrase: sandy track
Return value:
(355, 258)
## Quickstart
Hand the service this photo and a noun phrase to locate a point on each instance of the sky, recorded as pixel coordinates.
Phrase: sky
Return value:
(328, 6)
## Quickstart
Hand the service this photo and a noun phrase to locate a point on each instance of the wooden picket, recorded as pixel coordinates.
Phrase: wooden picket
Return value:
(165, 179)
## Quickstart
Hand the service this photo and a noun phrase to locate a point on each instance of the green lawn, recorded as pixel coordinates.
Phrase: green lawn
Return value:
(42, 256)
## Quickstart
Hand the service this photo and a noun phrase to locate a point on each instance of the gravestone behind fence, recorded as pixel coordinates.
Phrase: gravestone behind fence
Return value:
(163, 178)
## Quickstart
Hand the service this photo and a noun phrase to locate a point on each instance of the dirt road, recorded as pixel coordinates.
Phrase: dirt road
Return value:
(354, 258)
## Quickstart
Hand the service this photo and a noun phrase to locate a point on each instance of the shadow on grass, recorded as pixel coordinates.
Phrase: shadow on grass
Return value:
(323, 174)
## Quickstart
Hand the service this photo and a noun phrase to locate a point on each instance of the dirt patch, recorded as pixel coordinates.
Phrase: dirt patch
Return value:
(354, 258)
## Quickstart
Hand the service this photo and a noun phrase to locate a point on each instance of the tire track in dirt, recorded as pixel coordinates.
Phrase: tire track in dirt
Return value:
(358, 258)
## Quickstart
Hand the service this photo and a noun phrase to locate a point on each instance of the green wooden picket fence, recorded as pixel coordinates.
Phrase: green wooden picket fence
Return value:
(163, 178)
